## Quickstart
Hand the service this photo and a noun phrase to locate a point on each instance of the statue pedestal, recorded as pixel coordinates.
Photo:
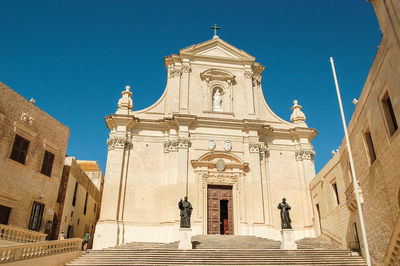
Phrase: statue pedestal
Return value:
(185, 240)
(288, 241)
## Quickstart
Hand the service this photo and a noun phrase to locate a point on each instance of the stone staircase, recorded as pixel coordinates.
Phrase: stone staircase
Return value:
(222, 250)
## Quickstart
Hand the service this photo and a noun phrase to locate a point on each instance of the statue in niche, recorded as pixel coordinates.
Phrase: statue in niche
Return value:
(285, 219)
(186, 211)
(217, 101)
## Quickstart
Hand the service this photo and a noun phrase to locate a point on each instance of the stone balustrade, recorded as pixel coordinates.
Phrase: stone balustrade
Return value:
(39, 249)
(17, 234)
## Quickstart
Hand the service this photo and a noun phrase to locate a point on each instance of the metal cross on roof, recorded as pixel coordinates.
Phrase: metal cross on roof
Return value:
(215, 28)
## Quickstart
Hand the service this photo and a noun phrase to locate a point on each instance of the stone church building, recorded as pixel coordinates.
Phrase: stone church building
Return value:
(210, 136)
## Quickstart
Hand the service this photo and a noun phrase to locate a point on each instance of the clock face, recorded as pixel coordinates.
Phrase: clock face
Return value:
(211, 144)
(227, 145)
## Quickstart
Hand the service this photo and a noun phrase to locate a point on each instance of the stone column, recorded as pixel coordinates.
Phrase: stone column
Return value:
(108, 228)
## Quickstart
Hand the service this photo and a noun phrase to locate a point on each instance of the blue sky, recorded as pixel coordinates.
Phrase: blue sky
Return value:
(75, 57)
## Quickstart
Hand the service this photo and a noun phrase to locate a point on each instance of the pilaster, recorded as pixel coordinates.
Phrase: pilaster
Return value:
(184, 90)
(305, 163)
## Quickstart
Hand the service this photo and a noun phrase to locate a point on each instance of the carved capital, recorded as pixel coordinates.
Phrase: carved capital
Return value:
(174, 73)
(256, 80)
(248, 74)
(304, 154)
(255, 147)
(184, 143)
(119, 143)
(176, 144)
(185, 69)
(259, 148)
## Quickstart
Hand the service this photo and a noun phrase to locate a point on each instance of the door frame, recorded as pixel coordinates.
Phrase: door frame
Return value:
(229, 188)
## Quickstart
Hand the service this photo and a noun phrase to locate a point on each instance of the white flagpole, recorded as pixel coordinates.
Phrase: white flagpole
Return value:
(353, 173)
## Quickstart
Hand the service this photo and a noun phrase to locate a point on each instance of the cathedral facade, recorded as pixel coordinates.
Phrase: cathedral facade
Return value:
(211, 136)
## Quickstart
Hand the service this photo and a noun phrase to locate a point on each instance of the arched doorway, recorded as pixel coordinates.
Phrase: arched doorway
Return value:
(220, 175)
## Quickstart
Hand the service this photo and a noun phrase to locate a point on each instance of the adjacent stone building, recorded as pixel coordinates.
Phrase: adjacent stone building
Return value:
(211, 136)
(79, 198)
(32, 149)
(375, 142)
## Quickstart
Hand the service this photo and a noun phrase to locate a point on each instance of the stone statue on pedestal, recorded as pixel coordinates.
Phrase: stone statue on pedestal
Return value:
(186, 211)
(285, 218)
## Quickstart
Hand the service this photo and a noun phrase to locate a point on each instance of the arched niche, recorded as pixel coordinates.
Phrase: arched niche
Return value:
(218, 79)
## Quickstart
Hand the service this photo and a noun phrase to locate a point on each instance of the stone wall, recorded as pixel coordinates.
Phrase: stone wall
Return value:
(378, 179)
(22, 184)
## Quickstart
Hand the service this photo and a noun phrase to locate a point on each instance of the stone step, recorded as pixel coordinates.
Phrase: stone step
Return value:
(222, 250)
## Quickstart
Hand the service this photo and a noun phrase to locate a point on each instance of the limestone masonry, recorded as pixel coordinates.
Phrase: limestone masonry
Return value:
(375, 143)
(210, 136)
(32, 149)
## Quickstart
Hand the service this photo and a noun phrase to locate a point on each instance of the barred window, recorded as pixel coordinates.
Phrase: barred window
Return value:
(35, 220)
(47, 164)
(19, 149)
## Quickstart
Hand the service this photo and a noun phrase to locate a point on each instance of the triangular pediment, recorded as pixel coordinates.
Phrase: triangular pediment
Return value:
(216, 48)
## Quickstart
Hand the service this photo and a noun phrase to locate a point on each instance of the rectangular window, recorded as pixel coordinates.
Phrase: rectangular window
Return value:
(389, 114)
(19, 149)
(95, 207)
(84, 208)
(75, 191)
(370, 146)
(35, 220)
(47, 164)
(4, 214)
(334, 186)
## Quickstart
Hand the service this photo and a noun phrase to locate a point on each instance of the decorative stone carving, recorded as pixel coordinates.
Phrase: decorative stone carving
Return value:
(175, 73)
(254, 147)
(171, 145)
(220, 165)
(118, 143)
(256, 80)
(248, 74)
(259, 148)
(304, 154)
(227, 145)
(298, 117)
(184, 143)
(125, 103)
(211, 144)
(220, 178)
(217, 74)
(176, 144)
(185, 69)
(27, 120)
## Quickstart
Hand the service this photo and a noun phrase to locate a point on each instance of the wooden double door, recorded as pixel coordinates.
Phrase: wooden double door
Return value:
(219, 210)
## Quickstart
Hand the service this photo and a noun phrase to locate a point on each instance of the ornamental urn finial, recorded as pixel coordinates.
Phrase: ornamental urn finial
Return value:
(298, 117)
(125, 103)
